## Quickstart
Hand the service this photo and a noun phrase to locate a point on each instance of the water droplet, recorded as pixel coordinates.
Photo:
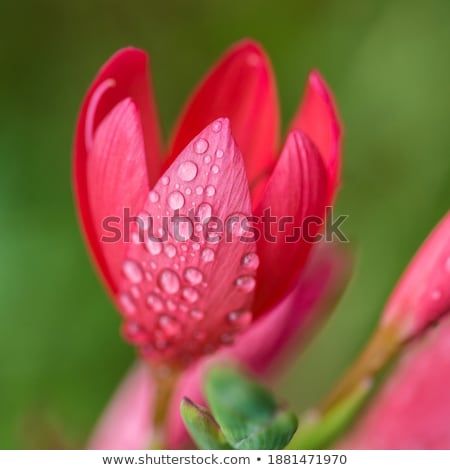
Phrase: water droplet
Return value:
(188, 191)
(171, 305)
(204, 212)
(153, 264)
(199, 190)
(217, 126)
(177, 186)
(153, 196)
(170, 250)
(165, 180)
(135, 292)
(245, 283)
(227, 338)
(215, 169)
(155, 302)
(208, 255)
(190, 294)
(210, 191)
(250, 261)
(168, 281)
(201, 146)
(196, 314)
(219, 153)
(169, 325)
(207, 159)
(187, 171)
(148, 276)
(154, 247)
(176, 200)
(136, 238)
(193, 276)
(127, 303)
(132, 271)
(239, 318)
(196, 246)
(436, 295)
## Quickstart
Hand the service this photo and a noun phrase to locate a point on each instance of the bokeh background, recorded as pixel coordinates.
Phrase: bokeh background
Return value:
(388, 64)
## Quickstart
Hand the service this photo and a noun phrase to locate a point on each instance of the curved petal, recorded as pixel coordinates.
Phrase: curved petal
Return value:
(241, 87)
(270, 338)
(318, 117)
(291, 214)
(422, 295)
(126, 422)
(412, 409)
(125, 75)
(188, 278)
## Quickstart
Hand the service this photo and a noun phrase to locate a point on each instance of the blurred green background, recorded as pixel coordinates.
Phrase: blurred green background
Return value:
(388, 64)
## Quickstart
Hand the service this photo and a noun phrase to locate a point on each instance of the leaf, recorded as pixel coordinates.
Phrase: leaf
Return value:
(202, 427)
(246, 412)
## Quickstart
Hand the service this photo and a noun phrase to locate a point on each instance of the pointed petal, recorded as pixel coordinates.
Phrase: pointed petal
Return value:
(125, 75)
(318, 117)
(241, 87)
(412, 409)
(422, 295)
(126, 422)
(181, 280)
(295, 198)
(272, 336)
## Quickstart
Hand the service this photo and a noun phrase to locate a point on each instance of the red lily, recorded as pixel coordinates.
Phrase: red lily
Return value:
(180, 301)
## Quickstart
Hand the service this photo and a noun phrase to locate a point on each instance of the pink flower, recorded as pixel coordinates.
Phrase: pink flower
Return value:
(422, 295)
(181, 300)
(412, 409)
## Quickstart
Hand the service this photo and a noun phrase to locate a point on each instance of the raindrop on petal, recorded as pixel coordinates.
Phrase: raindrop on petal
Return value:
(201, 146)
(170, 250)
(187, 171)
(193, 276)
(208, 255)
(153, 196)
(155, 302)
(127, 303)
(239, 318)
(217, 126)
(132, 271)
(165, 180)
(250, 261)
(176, 200)
(204, 212)
(190, 294)
(210, 191)
(168, 281)
(245, 283)
(196, 314)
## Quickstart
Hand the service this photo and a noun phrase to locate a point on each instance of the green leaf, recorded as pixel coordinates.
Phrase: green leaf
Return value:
(202, 427)
(246, 412)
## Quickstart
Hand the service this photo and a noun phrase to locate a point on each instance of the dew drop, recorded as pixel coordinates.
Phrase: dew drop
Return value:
(165, 180)
(215, 169)
(153, 196)
(190, 294)
(187, 171)
(188, 191)
(155, 302)
(171, 305)
(207, 255)
(127, 303)
(199, 190)
(204, 212)
(219, 153)
(196, 246)
(169, 325)
(245, 283)
(250, 261)
(240, 318)
(132, 271)
(207, 159)
(148, 276)
(210, 191)
(176, 200)
(436, 295)
(170, 250)
(201, 146)
(168, 281)
(135, 292)
(193, 276)
(154, 247)
(217, 126)
(153, 264)
(196, 314)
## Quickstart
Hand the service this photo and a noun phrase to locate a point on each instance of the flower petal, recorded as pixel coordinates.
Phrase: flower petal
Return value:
(182, 282)
(422, 295)
(318, 118)
(125, 75)
(241, 87)
(294, 199)
(126, 422)
(272, 336)
(412, 409)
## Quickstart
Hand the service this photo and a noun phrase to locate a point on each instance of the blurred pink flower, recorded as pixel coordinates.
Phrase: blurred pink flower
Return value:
(178, 300)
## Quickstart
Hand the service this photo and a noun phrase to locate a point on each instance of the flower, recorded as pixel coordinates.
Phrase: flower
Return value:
(181, 300)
